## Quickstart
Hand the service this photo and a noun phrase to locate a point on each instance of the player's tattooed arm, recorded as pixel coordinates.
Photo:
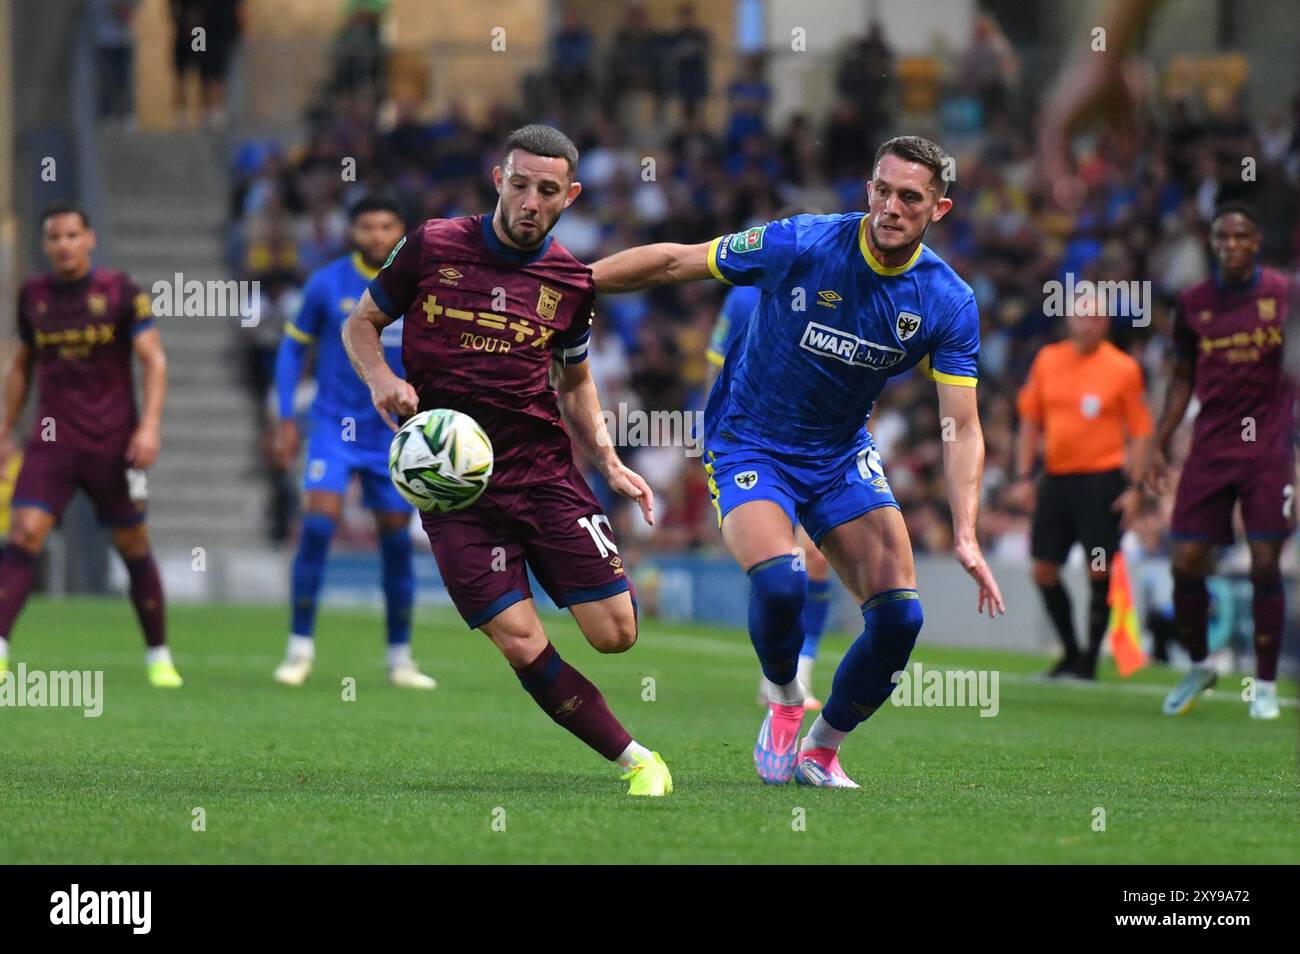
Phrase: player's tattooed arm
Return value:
(390, 394)
(1179, 396)
(147, 439)
(580, 408)
(647, 265)
(17, 383)
(963, 464)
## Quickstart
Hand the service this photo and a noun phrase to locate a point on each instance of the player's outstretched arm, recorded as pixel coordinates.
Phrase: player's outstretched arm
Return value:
(963, 465)
(17, 382)
(147, 439)
(647, 265)
(1179, 396)
(580, 407)
(389, 393)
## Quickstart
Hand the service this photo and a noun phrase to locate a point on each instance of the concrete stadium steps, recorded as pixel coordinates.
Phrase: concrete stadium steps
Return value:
(167, 194)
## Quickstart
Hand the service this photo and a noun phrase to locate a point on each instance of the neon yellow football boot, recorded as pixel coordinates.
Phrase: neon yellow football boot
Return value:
(163, 675)
(649, 776)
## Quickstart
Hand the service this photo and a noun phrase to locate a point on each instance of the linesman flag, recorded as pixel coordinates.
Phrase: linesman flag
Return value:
(1125, 644)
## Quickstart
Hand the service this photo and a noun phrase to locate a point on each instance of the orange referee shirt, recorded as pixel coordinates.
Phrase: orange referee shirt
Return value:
(1087, 405)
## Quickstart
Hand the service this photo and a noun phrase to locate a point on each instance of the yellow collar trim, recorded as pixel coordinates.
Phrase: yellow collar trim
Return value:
(360, 265)
(871, 259)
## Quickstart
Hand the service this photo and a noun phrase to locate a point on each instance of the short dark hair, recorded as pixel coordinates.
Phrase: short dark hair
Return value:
(375, 203)
(917, 149)
(65, 208)
(1244, 209)
(543, 140)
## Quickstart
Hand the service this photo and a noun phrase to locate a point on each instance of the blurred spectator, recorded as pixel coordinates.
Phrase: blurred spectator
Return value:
(572, 50)
(865, 78)
(206, 32)
(634, 63)
(688, 61)
(990, 68)
(114, 46)
(360, 59)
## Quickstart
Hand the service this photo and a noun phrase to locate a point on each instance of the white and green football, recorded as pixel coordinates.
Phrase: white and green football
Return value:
(440, 460)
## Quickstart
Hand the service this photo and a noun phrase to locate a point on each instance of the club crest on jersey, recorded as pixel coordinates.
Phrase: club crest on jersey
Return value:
(1090, 406)
(97, 304)
(746, 479)
(906, 325)
(748, 241)
(1267, 308)
(842, 346)
(548, 299)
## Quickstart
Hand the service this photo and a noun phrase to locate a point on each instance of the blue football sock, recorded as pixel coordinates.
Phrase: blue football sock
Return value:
(815, 608)
(309, 570)
(399, 584)
(777, 590)
(865, 677)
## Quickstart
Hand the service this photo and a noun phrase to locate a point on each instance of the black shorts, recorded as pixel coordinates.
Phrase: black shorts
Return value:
(1076, 508)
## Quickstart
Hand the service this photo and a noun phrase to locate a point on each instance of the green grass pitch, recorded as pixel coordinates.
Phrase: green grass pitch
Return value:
(300, 775)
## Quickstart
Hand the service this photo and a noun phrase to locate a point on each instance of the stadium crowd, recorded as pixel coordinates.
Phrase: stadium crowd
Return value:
(679, 177)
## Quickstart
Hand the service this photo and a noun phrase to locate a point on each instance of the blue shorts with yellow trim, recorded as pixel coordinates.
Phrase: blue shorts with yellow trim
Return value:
(332, 459)
(821, 496)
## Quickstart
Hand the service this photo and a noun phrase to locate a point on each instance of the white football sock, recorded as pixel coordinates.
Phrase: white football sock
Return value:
(301, 647)
(791, 694)
(822, 736)
(4, 647)
(157, 654)
(634, 753)
(1262, 686)
(399, 655)
(805, 672)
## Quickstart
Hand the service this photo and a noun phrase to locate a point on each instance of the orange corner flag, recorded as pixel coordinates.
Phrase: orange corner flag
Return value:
(1125, 644)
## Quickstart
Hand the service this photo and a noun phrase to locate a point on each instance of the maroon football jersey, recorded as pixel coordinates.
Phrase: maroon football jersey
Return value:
(80, 336)
(1234, 334)
(482, 324)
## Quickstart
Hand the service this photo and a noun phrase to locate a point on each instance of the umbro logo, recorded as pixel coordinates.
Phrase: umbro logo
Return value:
(568, 706)
(829, 298)
(448, 275)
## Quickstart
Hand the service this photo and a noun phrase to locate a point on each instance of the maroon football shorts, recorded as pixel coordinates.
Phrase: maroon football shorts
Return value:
(557, 529)
(52, 471)
(1208, 488)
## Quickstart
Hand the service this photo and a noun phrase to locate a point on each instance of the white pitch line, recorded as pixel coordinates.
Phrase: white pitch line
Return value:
(712, 646)
(1137, 689)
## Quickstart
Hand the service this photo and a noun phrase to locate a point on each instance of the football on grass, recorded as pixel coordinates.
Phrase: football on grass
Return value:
(440, 460)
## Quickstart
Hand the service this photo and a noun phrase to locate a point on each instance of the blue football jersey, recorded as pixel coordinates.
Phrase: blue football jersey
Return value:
(737, 308)
(327, 299)
(831, 326)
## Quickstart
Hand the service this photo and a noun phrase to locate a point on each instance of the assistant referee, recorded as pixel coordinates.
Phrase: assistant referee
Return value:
(1084, 398)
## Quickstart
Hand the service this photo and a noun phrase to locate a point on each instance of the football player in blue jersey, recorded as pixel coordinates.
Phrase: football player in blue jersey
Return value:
(347, 437)
(847, 302)
(737, 308)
